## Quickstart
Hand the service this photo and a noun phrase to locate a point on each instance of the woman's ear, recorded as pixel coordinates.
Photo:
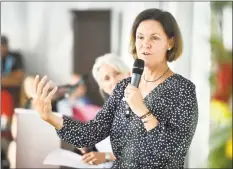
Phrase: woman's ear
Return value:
(171, 43)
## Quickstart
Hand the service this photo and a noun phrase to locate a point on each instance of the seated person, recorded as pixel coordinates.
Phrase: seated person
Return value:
(107, 70)
(12, 71)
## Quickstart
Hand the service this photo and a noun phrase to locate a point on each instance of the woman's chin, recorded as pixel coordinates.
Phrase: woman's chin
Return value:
(146, 60)
(147, 63)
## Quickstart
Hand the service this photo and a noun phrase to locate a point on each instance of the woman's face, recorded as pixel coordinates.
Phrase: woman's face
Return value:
(109, 77)
(151, 43)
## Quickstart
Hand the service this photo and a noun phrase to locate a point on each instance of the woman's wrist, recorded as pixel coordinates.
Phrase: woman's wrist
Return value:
(55, 120)
(147, 117)
(109, 157)
(150, 122)
(144, 110)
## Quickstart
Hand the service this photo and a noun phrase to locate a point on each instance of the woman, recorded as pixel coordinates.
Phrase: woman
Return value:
(164, 110)
(107, 71)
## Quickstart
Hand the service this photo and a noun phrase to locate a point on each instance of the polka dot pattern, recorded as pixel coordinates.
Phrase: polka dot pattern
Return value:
(172, 102)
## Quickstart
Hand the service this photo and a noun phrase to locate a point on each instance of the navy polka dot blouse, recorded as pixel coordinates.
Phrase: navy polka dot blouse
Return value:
(172, 102)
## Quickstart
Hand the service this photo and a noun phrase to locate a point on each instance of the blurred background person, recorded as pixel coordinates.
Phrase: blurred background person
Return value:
(12, 71)
(76, 99)
(12, 74)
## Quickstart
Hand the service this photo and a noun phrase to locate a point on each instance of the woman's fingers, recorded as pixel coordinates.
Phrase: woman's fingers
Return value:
(88, 157)
(50, 95)
(45, 90)
(40, 86)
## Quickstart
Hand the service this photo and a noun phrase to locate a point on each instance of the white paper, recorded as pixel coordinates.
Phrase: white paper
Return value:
(104, 145)
(61, 157)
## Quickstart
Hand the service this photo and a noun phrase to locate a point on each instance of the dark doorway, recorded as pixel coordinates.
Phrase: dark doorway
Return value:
(92, 31)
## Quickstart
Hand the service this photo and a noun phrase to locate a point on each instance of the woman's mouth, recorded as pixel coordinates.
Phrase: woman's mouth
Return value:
(145, 53)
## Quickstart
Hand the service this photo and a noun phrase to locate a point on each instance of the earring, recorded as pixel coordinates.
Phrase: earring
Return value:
(169, 48)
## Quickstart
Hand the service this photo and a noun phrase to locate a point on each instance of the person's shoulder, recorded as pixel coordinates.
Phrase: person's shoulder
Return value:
(126, 80)
(184, 83)
(122, 84)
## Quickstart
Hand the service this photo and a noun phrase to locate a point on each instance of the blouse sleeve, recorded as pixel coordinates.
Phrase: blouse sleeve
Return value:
(170, 140)
(88, 134)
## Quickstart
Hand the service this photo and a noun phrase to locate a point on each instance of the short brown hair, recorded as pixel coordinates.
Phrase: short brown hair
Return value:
(169, 25)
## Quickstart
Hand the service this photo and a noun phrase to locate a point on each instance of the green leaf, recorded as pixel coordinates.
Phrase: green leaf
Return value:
(219, 52)
(218, 159)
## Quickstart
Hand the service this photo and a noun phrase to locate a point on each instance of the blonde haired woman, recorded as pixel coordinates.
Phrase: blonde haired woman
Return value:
(108, 70)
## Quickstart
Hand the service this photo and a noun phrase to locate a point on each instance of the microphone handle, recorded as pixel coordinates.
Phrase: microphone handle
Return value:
(135, 80)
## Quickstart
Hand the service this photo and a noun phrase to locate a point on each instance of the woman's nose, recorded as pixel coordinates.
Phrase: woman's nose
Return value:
(114, 81)
(146, 43)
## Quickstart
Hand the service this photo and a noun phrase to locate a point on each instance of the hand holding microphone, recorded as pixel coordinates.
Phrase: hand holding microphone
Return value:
(135, 101)
(133, 96)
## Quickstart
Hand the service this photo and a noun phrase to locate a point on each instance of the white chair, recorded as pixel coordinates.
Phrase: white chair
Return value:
(34, 140)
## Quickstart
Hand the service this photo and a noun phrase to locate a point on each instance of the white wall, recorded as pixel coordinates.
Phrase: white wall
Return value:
(183, 12)
(44, 32)
(199, 74)
(13, 23)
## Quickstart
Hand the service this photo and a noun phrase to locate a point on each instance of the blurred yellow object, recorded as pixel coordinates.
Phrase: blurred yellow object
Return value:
(220, 111)
(229, 148)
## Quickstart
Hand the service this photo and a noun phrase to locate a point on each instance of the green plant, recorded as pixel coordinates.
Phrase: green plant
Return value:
(220, 155)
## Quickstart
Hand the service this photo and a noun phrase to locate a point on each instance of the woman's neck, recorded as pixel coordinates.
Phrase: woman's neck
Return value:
(154, 73)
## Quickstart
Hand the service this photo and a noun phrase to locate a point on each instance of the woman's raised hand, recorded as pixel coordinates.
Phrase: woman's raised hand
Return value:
(42, 97)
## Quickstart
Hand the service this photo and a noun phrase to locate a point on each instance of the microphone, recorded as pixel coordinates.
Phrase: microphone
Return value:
(137, 71)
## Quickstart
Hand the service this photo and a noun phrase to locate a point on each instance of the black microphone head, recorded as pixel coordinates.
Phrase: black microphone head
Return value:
(138, 66)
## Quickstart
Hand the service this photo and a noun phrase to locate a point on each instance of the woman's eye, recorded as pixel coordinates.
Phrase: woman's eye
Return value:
(139, 37)
(155, 38)
(106, 78)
